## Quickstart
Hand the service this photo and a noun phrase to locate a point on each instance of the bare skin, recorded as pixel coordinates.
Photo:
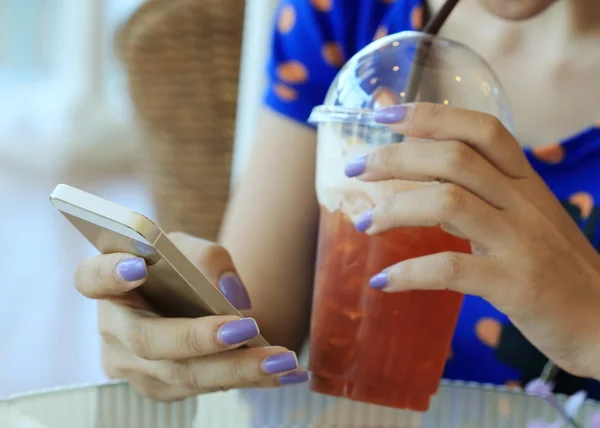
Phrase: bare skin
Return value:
(549, 63)
(546, 53)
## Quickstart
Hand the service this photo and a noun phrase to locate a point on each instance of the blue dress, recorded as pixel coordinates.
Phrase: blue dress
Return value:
(312, 40)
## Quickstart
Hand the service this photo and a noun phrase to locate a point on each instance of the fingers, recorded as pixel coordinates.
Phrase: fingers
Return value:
(482, 132)
(464, 273)
(238, 367)
(451, 161)
(216, 265)
(110, 275)
(212, 259)
(457, 210)
(156, 389)
(189, 357)
(172, 391)
(155, 338)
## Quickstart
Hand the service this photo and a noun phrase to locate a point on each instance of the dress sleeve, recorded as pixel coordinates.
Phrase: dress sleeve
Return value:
(306, 53)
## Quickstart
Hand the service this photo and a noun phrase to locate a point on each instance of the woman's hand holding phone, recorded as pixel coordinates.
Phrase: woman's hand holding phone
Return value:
(173, 358)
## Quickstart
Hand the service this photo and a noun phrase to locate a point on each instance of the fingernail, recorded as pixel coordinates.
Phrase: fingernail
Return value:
(239, 331)
(132, 269)
(145, 249)
(280, 363)
(292, 378)
(364, 221)
(539, 387)
(356, 166)
(233, 289)
(392, 114)
(379, 281)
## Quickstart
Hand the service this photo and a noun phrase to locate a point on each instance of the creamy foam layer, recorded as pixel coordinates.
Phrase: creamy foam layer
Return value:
(335, 190)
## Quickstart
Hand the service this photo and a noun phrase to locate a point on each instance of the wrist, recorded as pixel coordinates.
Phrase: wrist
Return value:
(587, 322)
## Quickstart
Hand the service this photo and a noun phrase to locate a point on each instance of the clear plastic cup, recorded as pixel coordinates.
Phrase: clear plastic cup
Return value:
(366, 345)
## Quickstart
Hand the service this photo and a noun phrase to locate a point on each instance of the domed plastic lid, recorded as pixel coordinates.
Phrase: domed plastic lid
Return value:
(378, 76)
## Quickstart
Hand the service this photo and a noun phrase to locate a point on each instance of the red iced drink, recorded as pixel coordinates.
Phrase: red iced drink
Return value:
(365, 344)
(371, 346)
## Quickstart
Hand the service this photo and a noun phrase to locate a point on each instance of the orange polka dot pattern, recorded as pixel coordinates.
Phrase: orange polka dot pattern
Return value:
(488, 331)
(287, 19)
(416, 18)
(553, 153)
(313, 39)
(292, 72)
(285, 93)
(584, 201)
(380, 33)
(333, 54)
(322, 5)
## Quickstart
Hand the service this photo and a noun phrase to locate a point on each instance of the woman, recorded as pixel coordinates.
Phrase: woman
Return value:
(536, 267)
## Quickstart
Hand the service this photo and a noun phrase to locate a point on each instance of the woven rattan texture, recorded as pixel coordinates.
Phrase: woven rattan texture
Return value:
(182, 59)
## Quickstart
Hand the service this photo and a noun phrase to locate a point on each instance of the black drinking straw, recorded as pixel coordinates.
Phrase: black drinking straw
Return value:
(424, 46)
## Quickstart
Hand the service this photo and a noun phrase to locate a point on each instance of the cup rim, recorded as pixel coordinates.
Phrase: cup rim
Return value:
(337, 114)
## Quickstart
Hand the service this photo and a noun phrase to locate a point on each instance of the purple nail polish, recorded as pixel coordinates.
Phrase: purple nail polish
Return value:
(364, 221)
(239, 331)
(595, 420)
(387, 115)
(292, 378)
(132, 269)
(280, 363)
(356, 166)
(539, 387)
(233, 289)
(379, 281)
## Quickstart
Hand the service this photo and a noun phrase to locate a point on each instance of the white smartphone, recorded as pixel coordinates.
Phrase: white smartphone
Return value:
(175, 287)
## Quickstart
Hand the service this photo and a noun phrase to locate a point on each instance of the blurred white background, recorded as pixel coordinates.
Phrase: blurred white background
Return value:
(65, 118)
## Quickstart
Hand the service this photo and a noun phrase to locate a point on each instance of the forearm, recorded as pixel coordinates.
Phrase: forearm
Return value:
(276, 267)
(270, 229)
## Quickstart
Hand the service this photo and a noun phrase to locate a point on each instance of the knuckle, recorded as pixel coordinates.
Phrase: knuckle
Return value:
(238, 370)
(105, 323)
(426, 113)
(491, 128)
(110, 365)
(460, 156)
(388, 211)
(432, 110)
(191, 340)
(404, 275)
(199, 251)
(138, 340)
(148, 388)
(210, 254)
(385, 158)
(112, 372)
(453, 266)
(181, 374)
(451, 200)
